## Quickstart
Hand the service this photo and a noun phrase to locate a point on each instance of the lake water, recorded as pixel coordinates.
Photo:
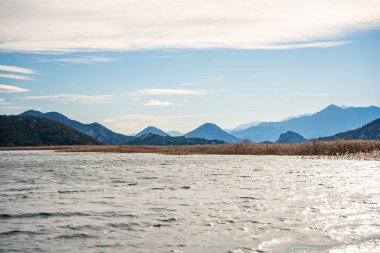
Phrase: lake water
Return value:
(89, 202)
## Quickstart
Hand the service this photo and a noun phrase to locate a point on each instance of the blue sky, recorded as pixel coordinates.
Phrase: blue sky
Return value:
(180, 86)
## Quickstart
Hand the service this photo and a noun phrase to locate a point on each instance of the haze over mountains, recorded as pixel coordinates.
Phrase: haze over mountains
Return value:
(329, 121)
(174, 133)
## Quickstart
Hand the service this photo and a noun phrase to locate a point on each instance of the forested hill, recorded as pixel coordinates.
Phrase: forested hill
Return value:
(36, 131)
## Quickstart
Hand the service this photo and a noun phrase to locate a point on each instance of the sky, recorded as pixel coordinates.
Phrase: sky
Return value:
(178, 64)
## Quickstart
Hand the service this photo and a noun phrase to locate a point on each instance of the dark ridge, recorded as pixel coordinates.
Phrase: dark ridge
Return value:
(34, 131)
(291, 137)
(95, 130)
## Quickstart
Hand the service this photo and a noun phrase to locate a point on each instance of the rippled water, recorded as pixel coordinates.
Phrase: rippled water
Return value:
(86, 202)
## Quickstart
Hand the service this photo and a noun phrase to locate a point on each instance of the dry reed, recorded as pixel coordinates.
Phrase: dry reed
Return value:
(312, 148)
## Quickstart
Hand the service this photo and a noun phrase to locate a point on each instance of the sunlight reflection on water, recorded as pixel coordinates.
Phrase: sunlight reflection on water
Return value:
(93, 202)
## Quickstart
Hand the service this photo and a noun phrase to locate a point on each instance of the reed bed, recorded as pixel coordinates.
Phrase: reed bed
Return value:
(312, 148)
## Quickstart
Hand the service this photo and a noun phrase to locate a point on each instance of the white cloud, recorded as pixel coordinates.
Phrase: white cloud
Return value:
(11, 89)
(73, 98)
(154, 92)
(15, 68)
(12, 76)
(41, 25)
(82, 60)
(153, 102)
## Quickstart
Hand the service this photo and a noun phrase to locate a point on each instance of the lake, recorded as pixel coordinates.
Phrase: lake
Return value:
(93, 202)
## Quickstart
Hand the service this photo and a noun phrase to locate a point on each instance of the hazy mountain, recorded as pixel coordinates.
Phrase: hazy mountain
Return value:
(291, 137)
(158, 140)
(245, 126)
(211, 131)
(95, 130)
(151, 130)
(37, 131)
(174, 133)
(329, 121)
(370, 131)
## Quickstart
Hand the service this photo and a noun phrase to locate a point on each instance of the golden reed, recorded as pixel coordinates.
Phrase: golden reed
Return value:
(311, 148)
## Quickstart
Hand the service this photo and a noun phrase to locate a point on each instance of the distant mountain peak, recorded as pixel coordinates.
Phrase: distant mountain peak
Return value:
(332, 107)
(31, 113)
(211, 131)
(151, 130)
(210, 125)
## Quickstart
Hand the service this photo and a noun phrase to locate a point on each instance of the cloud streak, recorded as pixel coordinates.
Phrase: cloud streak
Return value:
(158, 103)
(158, 92)
(86, 99)
(16, 69)
(11, 89)
(76, 25)
(82, 60)
(12, 76)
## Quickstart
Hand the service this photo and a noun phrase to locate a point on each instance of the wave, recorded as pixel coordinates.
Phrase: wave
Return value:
(6, 216)
(17, 232)
(75, 236)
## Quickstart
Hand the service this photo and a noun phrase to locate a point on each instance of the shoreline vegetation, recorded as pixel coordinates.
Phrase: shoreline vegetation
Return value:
(355, 149)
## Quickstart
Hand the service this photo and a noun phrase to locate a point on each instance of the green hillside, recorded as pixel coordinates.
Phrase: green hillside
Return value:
(33, 131)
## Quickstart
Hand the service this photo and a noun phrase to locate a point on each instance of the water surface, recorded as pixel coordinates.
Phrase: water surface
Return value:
(89, 202)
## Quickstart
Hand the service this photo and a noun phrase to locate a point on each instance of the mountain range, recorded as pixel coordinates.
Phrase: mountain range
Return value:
(329, 121)
(104, 135)
(37, 131)
(95, 130)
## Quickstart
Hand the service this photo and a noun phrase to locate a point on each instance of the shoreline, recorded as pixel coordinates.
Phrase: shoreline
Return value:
(348, 149)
